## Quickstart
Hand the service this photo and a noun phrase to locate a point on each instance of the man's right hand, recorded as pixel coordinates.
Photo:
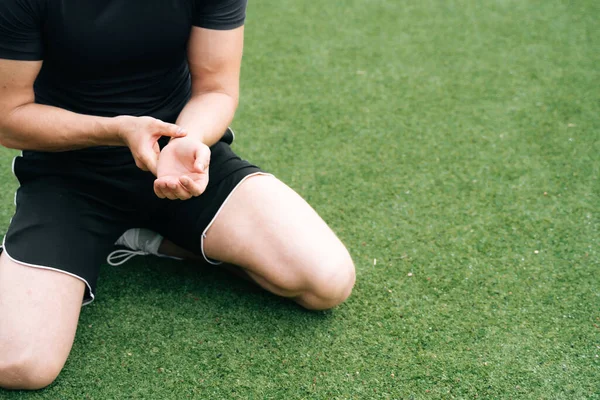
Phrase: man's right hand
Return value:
(141, 135)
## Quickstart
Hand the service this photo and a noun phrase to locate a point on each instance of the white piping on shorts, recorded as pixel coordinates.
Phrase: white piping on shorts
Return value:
(3, 248)
(49, 269)
(13, 171)
(213, 262)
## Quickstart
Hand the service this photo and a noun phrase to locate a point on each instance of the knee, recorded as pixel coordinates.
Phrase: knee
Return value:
(330, 284)
(24, 372)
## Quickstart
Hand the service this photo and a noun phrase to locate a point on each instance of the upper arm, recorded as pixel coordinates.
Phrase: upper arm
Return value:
(215, 58)
(21, 51)
(216, 44)
(21, 29)
(16, 83)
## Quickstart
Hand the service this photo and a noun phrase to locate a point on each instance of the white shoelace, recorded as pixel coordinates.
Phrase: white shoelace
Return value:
(138, 242)
(120, 257)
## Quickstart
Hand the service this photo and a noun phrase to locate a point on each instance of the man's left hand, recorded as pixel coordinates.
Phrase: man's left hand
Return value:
(182, 171)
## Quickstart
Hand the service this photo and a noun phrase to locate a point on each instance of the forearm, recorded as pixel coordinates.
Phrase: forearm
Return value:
(206, 116)
(45, 128)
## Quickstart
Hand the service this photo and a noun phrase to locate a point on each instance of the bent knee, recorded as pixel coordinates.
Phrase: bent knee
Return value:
(330, 285)
(28, 372)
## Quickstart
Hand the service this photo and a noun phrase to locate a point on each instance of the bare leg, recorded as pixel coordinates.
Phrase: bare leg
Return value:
(39, 310)
(282, 244)
(279, 242)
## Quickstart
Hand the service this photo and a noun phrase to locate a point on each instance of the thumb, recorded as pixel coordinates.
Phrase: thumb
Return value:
(149, 160)
(202, 159)
(172, 130)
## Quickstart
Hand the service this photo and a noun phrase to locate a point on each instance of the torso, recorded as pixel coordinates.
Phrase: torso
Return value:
(113, 57)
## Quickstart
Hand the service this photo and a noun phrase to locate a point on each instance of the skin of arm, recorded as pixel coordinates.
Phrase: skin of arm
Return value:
(214, 59)
(25, 125)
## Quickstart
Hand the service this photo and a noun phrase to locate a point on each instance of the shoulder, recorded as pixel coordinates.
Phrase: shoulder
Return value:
(23, 10)
(21, 23)
(219, 14)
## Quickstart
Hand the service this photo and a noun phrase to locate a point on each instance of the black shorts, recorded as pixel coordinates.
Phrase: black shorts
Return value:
(72, 206)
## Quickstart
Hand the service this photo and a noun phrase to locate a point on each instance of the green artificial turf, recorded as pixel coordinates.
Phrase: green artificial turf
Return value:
(454, 147)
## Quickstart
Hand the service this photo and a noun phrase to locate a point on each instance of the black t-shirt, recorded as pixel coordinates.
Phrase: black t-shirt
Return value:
(111, 57)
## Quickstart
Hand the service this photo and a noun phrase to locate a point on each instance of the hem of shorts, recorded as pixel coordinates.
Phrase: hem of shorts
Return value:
(15, 174)
(84, 303)
(203, 236)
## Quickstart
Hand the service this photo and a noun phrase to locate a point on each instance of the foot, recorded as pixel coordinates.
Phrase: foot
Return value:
(139, 242)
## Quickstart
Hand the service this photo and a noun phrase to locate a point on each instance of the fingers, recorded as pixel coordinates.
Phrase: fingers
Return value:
(195, 188)
(183, 188)
(162, 190)
(202, 159)
(170, 188)
(171, 130)
(142, 138)
(147, 161)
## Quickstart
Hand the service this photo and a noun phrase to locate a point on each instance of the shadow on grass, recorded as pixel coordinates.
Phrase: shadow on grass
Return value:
(184, 290)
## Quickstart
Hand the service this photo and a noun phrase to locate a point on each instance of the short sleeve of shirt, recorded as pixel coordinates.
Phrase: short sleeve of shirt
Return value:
(21, 30)
(219, 14)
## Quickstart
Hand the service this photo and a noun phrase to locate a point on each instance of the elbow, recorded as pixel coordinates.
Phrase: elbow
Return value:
(229, 93)
(10, 137)
(6, 133)
(236, 101)
(234, 95)
(6, 138)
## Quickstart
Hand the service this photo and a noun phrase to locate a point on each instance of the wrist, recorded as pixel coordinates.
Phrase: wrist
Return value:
(117, 128)
(195, 138)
